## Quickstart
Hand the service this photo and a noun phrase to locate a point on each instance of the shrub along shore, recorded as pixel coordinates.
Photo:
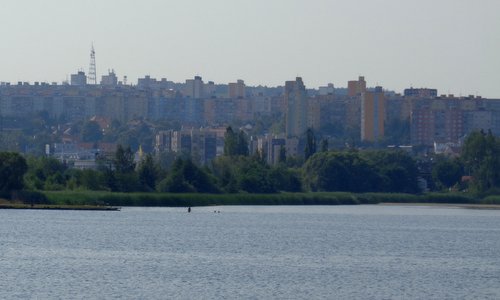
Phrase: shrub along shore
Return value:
(180, 200)
(236, 178)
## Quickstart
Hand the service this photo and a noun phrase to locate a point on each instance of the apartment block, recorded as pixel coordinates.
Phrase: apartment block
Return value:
(236, 90)
(372, 115)
(356, 87)
(295, 96)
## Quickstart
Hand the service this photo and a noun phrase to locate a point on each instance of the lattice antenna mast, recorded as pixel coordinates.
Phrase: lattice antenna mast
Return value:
(92, 77)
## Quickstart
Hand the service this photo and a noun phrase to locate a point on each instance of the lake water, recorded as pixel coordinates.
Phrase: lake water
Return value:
(251, 252)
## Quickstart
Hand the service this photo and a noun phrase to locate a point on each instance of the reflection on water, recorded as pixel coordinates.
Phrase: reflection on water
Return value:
(291, 252)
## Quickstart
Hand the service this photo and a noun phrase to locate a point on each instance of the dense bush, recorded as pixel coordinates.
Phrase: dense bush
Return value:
(375, 171)
(361, 172)
(33, 197)
(12, 169)
(199, 199)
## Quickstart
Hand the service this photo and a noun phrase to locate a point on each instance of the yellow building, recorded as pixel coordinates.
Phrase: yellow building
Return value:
(372, 115)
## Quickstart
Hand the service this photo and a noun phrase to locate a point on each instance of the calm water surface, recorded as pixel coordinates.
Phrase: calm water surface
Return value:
(251, 252)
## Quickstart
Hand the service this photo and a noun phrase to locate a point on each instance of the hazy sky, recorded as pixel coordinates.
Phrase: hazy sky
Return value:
(451, 45)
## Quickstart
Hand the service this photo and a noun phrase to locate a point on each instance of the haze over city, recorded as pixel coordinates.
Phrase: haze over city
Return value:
(449, 45)
(267, 149)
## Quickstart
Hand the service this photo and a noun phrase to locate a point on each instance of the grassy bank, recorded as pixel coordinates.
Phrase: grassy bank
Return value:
(332, 198)
(491, 200)
(9, 204)
(168, 199)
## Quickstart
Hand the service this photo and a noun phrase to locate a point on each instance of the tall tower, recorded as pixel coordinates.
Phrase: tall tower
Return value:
(372, 115)
(92, 77)
(296, 108)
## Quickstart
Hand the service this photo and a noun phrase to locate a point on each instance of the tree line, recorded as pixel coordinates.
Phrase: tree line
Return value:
(239, 172)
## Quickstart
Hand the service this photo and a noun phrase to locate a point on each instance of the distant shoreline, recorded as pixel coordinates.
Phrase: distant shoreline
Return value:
(103, 200)
(113, 208)
(58, 207)
(466, 206)
(306, 198)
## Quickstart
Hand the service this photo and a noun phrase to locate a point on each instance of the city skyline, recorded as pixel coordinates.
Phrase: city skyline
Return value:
(448, 45)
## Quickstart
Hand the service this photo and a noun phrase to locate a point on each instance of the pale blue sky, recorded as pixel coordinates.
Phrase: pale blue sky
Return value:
(451, 45)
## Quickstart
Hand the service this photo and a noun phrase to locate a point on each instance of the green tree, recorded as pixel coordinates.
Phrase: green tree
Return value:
(91, 132)
(324, 145)
(243, 173)
(282, 154)
(354, 171)
(119, 173)
(230, 142)
(253, 176)
(223, 169)
(310, 144)
(242, 144)
(235, 143)
(109, 178)
(446, 172)
(12, 169)
(397, 169)
(127, 182)
(55, 182)
(124, 160)
(186, 177)
(481, 156)
(92, 180)
(45, 173)
(327, 171)
(148, 173)
(285, 179)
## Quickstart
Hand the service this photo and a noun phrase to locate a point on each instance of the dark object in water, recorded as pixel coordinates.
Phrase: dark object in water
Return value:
(189, 209)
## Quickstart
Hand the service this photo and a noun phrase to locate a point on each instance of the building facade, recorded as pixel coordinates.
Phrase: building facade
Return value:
(372, 115)
(295, 97)
(356, 87)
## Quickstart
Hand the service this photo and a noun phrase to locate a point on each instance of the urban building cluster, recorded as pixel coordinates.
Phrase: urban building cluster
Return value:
(204, 109)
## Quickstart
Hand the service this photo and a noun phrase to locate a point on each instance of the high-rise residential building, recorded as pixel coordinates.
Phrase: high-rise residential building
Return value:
(448, 119)
(199, 144)
(146, 82)
(261, 105)
(243, 110)
(356, 87)
(163, 141)
(296, 108)
(326, 90)
(436, 125)
(152, 83)
(236, 90)
(110, 79)
(372, 115)
(420, 93)
(181, 141)
(271, 146)
(314, 106)
(203, 145)
(79, 79)
(274, 146)
(209, 90)
(194, 88)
